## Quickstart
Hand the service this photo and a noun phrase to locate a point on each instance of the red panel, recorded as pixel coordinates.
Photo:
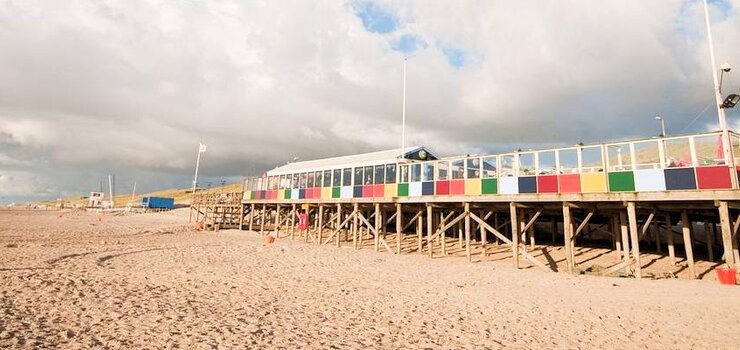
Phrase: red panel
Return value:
(316, 193)
(547, 184)
(457, 187)
(713, 177)
(379, 191)
(367, 191)
(570, 183)
(442, 187)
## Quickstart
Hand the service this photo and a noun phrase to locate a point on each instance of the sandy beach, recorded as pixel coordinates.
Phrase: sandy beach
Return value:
(84, 280)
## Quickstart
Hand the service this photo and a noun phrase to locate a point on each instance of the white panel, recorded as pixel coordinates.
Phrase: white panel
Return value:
(294, 193)
(414, 189)
(649, 180)
(508, 185)
(346, 192)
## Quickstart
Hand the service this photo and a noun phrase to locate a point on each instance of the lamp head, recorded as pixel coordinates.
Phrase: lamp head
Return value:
(725, 67)
(730, 101)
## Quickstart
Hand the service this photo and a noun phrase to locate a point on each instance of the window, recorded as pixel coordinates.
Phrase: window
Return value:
(472, 168)
(592, 159)
(546, 163)
(304, 177)
(281, 182)
(327, 178)
(404, 173)
(368, 175)
(427, 171)
(358, 176)
(647, 155)
(311, 178)
(336, 180)
(508, 165)
(568, 161)
(347, 177)
(390, 173)
(526, 164)
(379, 174)
(271, 183)
(489, 167)
(620, 157)
(443, 169)
(678, 153)
(709, 150)
(296, 181)
(415, 172)
(319, 179)
(288, 181)
(457, 169)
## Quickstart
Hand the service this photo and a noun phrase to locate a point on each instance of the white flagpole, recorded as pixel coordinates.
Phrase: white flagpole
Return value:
(403, 121)
(197, 164)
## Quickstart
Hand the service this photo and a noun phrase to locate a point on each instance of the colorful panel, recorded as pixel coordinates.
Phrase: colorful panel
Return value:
(280, 194)
(346, 192)
(509, 185)
(547, 184)
(649, 180)
(570, 183)
(391, 190)
(621, 181)
(427, 188)
(357, 191)
(472, 187)
(379, 191)
(528, 184)
(302, 193)
(414, 189)
(593, 183)
(367, 191)
(403, 190)
(713, 178)
(295, 193)
(489, 186)
(680, 179)
(457, 187)
(442, 187)
(246, 195)
(326, 192)
(336, 192)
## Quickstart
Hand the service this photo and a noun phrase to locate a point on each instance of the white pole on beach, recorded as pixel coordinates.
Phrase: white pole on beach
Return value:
(201, 149)
(403, 120)
(133, 194)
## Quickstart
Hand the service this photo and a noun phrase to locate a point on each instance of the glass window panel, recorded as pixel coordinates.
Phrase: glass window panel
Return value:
(526, 164)
(347, 177)
(379, 174)
(304, 177)
(647, 155)
(508, 165)
(368, 175)
(489, 167)
(283, 182)
(327, 178)
(457, 169)
(677, 153)
(427, 171)
(735, 140)
(592, 159)
(296, 181)
(311, 178)
(568, 161)
(336, 179)
(443, 169)
(404, 173)
(319, 179)
(546, 163)
(709, 150)
(415, 172)
(358, 176)
(390, 173)
(472, 166)
(620, 157)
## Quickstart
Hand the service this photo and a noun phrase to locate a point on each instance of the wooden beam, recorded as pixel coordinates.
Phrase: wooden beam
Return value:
(413, 219)
(509, 242)
(727, 244)
(355, 215)
(583, 224)
(624, 228)
(293, 214)
(686, 230)
(514, 234)
(567, 241)
(320, 226)
(467, 231)
(634, 237)
(671, 248)
(251, 217)
(708, 235)
(376, 230)
(430, 219)
(399, 227)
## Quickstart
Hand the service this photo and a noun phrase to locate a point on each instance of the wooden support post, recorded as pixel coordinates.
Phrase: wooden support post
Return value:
(483, 235)
(514, 234)
(729, 247)
(444, 233)
(671, 248)
(530, 233)
(460, 234)
(467, 231)
(686, 230)
(568, 238)
(292, 221)
(616, 233)
(399, 227)
(710, 244)
(430, 219)
(338, 224)
(634, 237)
(320, 226)
(624, 228)
(355, 230)
(656, 232)
(262, 220)
(420, 232)
(241, 216)
(251, 217)
(277, 221)
(378, 219)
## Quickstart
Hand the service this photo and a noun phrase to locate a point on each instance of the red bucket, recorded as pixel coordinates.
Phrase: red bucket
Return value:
(726, 275)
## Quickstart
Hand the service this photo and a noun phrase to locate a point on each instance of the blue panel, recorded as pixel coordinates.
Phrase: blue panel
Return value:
(302, 193)
(414, 189)
(509, 185)
(649, 180)
(528, 184)
(357, 192)
(427, 188)
(680, 179)
(346, 192)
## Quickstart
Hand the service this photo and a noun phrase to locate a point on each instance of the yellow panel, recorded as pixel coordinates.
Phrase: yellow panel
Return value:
(593, 183)
(326, 193)
(391, 190)
(281, 194)
(247, 195)
(472, 187)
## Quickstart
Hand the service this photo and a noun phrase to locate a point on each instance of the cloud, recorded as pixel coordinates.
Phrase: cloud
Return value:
(89, 88)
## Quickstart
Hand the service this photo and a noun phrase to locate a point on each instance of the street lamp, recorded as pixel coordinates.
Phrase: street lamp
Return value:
(662, 125)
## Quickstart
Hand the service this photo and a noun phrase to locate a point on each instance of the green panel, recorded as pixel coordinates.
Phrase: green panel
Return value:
(253, 195)
(622, 181)
(336, 192)
(287, 194)
(489, 186)
(403, 190)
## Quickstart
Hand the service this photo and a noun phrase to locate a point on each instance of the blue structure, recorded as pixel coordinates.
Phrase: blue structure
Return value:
(158, 202)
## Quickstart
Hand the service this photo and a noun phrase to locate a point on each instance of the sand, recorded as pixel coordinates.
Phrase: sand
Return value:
(149, 281)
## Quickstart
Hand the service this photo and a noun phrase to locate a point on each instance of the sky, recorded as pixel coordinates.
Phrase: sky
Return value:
(91, 88)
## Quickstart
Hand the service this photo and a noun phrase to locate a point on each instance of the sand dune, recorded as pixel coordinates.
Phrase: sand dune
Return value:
(149, 280)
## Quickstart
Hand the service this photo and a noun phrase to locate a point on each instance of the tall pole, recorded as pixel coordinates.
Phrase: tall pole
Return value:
(403, 120)
(729, 161)
(133, 194)
(662, 126)
(197, 164)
